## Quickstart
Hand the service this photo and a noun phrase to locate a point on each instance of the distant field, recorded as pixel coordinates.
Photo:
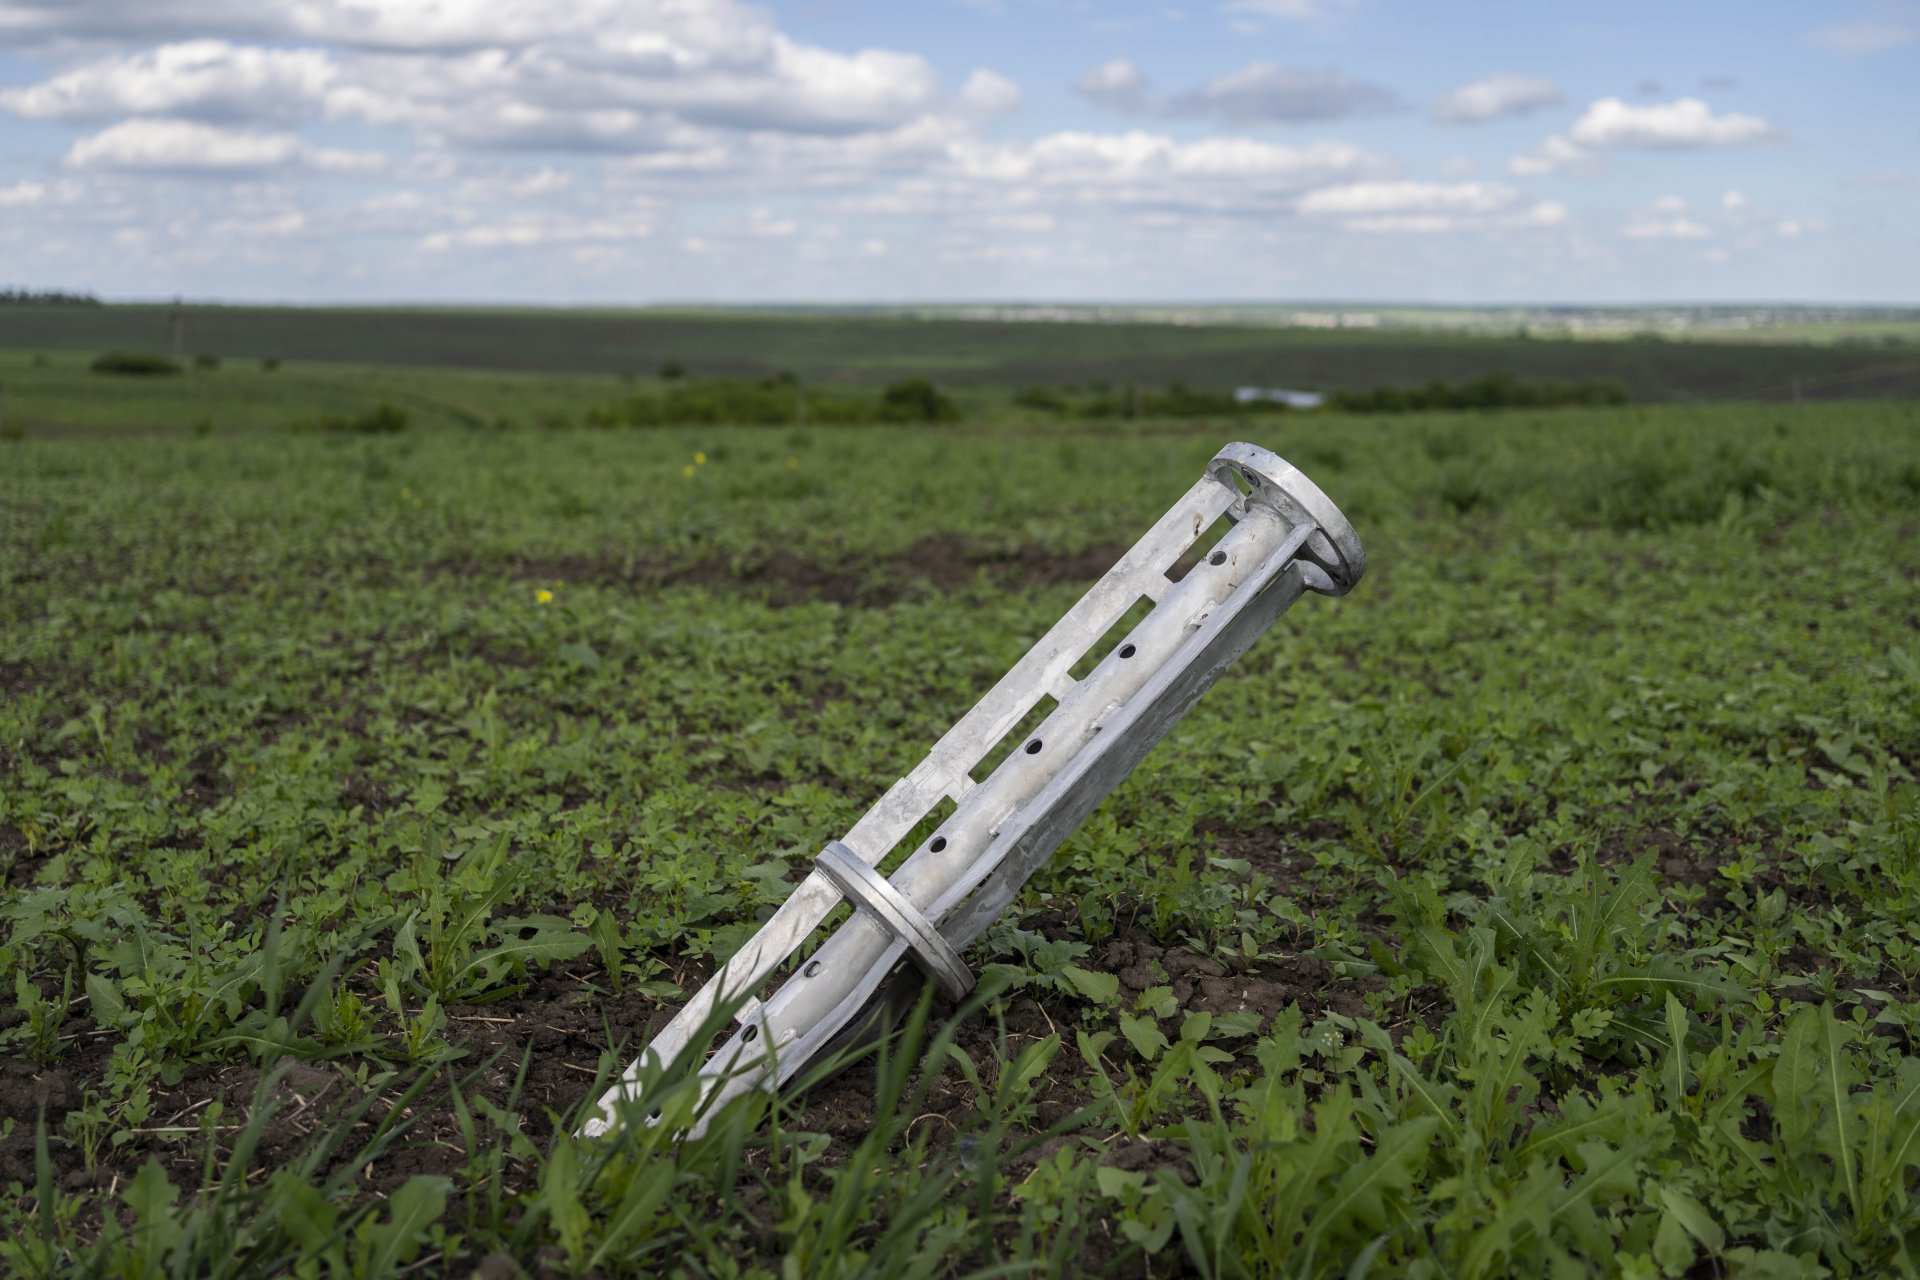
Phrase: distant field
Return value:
(1544, 907)
(876, 348)
(56, 394)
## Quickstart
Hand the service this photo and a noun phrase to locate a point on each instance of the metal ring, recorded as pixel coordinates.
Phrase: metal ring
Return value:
(869, 890)
(1279, 486)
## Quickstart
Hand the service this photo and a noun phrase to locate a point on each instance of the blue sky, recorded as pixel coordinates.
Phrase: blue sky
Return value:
(633, 151)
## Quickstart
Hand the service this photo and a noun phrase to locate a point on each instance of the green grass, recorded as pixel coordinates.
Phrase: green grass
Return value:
(58, 393)
(868, 348)
(1544, 905)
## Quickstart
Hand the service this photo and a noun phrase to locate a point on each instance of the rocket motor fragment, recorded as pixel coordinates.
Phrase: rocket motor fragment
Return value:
(1287, 538)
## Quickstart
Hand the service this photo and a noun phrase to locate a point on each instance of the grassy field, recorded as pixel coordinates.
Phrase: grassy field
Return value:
(59, 395)
(880, 348)
(1546, 905)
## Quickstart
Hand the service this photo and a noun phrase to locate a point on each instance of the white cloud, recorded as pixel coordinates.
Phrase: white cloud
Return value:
(1683, 123)
(1425, 208)
(1891, 26)
(1291, 10)
(1788, 227)
(514, 184)
(1087, 187)
(1542, 213)
(532, 229)
(1495, 98)
(587, 75)
(1159, 168)
(766, 223)
(201, 79)
(987, 93)
(22, 193)
(1261, 93)
(1732, 200)
(187, 146)
(1404, 196)
(1664, 219)
(1664, 229)
(374, 24)
(1611, 123)
(587, 98)
(1554, 154)
(1117, 84)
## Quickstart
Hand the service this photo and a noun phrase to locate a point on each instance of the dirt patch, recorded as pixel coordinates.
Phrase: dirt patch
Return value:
(532, 1059)
(843, 1106)
(1202, 984)
(17, 679)
(938, 563)
(1274, 852)
(949, 560)
(30, 1090)
(19, 856)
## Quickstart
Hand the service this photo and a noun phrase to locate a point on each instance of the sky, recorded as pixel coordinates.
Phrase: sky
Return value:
(625, 152)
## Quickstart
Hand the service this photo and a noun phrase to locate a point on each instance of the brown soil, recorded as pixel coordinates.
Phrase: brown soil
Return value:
(939, 563)
(535, 1056)
(557, 1027)
(843, 1106)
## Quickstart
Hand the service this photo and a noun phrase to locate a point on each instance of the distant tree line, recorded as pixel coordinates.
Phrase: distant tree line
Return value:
(1494, 391)
(12, 297)
(382, 420)
(1176, 399)
(143, 364)
(772, 402)
(134, 362)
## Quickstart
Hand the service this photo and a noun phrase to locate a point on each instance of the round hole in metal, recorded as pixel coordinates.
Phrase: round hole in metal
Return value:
(751, 1034)
(1218, 557)
(1127, 651)
(1033, 748)
(813, 967)
(939, 843)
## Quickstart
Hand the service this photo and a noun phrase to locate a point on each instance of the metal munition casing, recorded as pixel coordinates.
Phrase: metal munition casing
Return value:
(1287, 538)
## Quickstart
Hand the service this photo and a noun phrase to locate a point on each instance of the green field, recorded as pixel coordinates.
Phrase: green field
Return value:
(57, 395)
(1545, 906)
(866, 348)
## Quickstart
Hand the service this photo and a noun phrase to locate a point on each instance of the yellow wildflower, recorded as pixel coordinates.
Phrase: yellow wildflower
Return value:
(543, 596)
(687, 470)
(405, 492)
(700, 458)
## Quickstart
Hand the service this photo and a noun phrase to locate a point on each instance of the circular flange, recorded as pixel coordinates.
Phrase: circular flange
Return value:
(1271, 481)
(869, 890)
